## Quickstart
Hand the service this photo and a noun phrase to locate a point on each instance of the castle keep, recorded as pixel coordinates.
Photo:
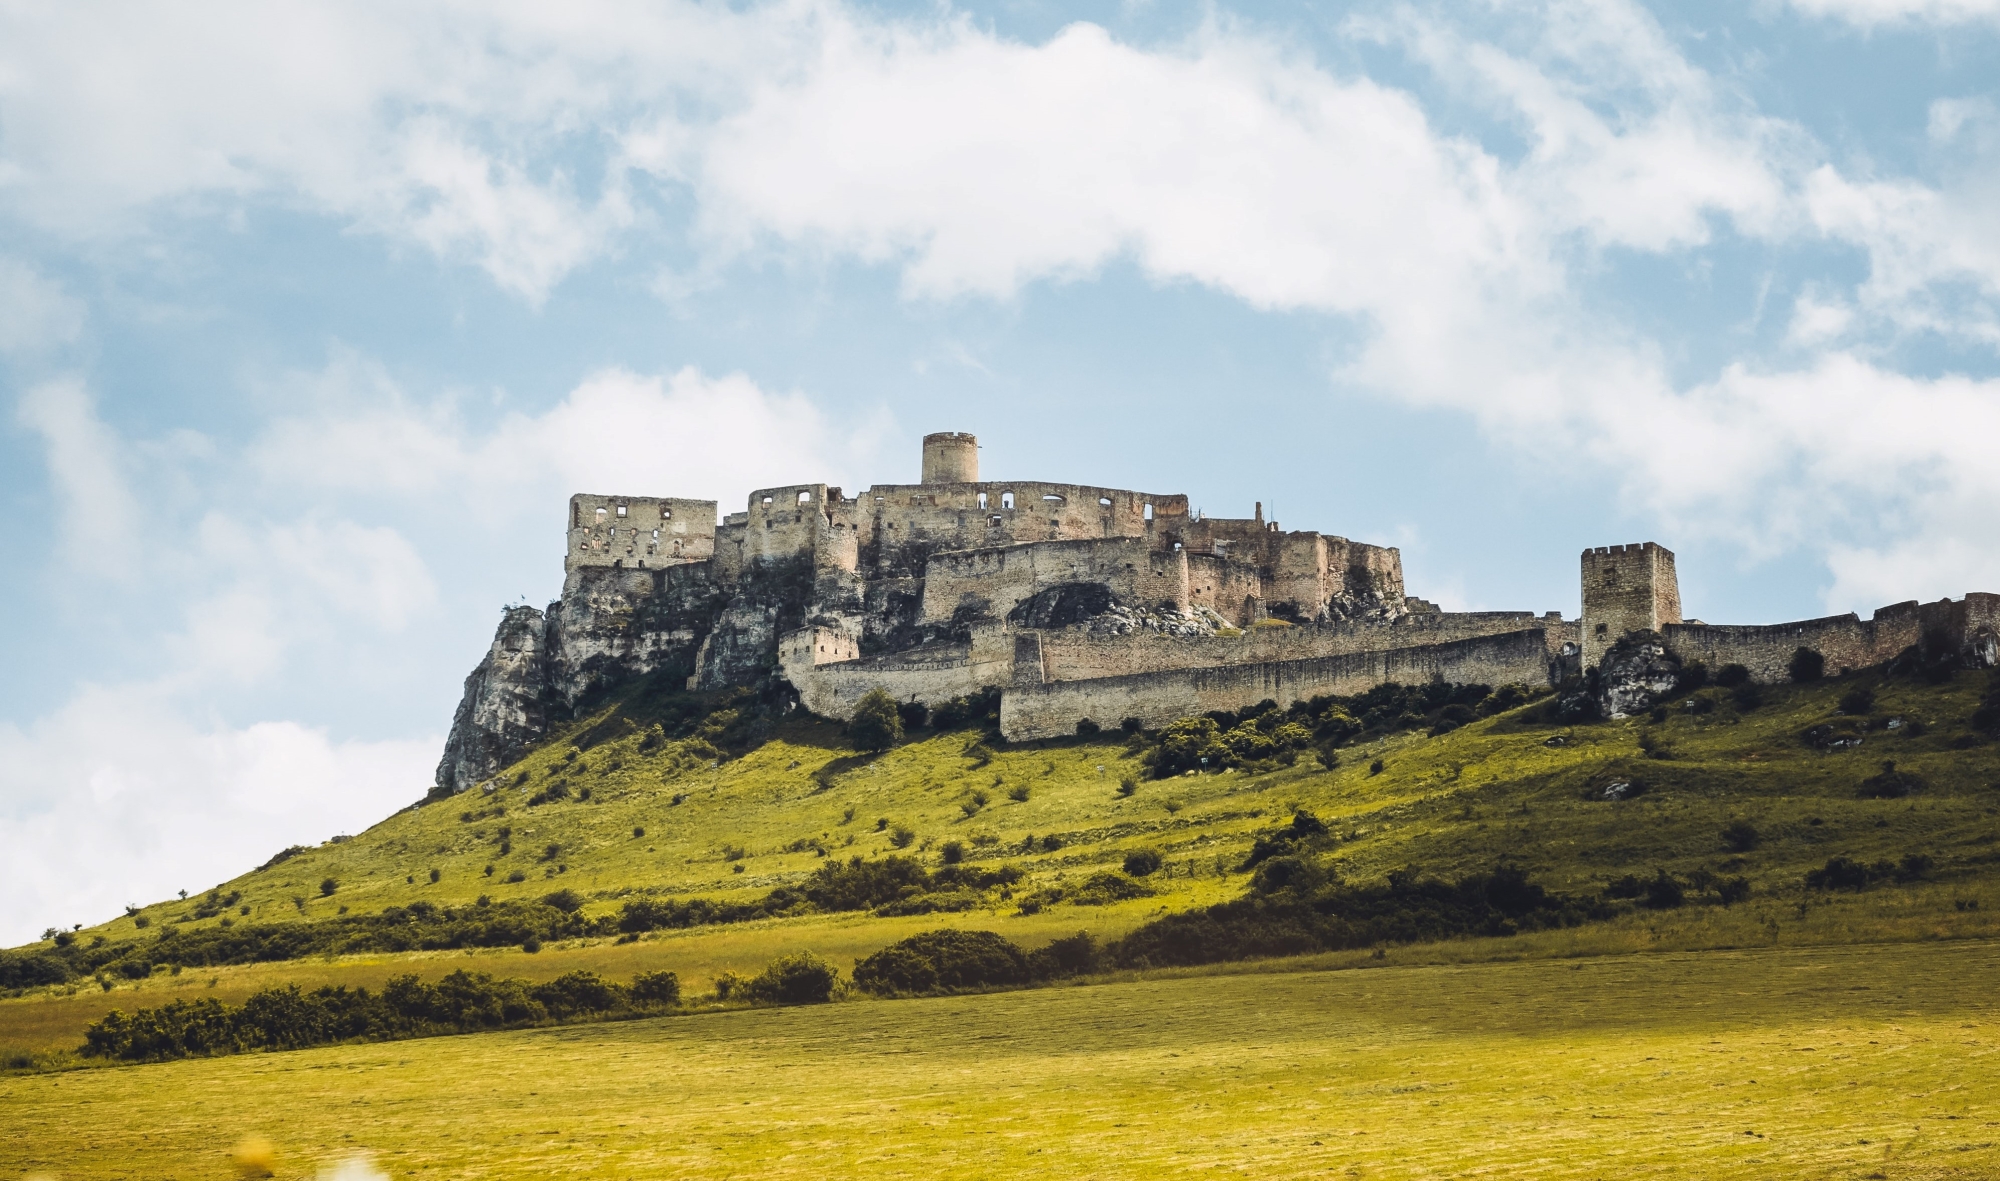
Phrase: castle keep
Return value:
(1075, 602)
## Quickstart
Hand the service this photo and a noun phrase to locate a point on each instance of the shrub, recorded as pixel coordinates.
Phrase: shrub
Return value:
(327, 886)
(531, 945)
(517, 876)
(798, 979)
(141, 921)
(567, 901)
(877, 724)
(1376, 767)
(942, 961)
(1085, 728)
(953, 852)
(1741, 836)
(1140, 862)
(434, 876)
(1746, 697)
(1891, 784)
(1806, 665)
(912, 715)
(1019, 793)
(1858, 700)
(1732, 890)
(1839, 873)
(1071, 955)
(1663, 892)
(901, 836)
(1127, 786)
(1729, 676)
(656, 988)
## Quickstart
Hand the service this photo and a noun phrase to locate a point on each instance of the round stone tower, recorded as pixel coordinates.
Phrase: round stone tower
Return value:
(951, 457)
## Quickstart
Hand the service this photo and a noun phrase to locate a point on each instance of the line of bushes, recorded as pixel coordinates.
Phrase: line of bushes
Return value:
(289, 1018)
(892, 886)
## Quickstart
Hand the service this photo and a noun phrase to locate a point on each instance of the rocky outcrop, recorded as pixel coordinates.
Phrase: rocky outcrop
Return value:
(1636, 673)
(613, 625)
(506, 704)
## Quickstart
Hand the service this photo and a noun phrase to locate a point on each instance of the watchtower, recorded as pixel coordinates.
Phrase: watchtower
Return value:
(1626, 588)
(951, 457)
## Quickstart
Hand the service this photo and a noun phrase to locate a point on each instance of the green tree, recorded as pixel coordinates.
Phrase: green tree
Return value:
(876, 726)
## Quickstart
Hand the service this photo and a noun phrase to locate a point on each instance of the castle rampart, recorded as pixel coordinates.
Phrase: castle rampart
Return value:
(638, 532)
(1053, 708)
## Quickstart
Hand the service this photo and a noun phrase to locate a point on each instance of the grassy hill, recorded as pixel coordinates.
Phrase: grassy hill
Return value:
(679, 817)
(658, 795)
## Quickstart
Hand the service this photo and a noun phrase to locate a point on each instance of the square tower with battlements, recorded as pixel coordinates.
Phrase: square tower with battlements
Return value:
(1626, 588)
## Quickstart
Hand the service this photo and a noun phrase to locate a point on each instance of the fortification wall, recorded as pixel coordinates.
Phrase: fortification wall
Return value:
(831, 677)
(1071, 654)
(991, 581)
(638, 532)
(901, 525)
(1051, 709)
(1231, 589)
(1845, 641)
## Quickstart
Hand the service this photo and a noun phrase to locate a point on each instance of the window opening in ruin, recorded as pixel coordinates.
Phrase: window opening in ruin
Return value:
(600, 516)
(993, 522)
(621, 510)
(805, 498)
(1006, 500)
(656, 535)
(1149, 512)
(1052, 498)
(982, 500)
(666, 514)
(1104, 501)
(767, 500)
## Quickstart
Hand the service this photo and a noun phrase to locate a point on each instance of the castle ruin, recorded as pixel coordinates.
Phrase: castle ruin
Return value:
(1074, 602)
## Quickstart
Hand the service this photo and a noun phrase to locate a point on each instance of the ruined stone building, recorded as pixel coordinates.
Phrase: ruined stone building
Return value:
(1075, 602)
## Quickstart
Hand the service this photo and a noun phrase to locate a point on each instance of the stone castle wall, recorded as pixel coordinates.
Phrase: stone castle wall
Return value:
(831, 676)
(1845, 641)
(988, 583)
(638, 531)
(1072, 654)
(1052, 709)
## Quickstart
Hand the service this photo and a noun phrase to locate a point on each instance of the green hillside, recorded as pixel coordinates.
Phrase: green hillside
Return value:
(662, 795)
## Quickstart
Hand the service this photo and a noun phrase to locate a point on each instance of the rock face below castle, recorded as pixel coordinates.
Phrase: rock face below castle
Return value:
(1076, 602)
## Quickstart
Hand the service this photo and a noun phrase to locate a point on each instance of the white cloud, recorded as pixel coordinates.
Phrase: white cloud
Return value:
(93, 511)
(1869, 14)
(173, 803)
(36, 314)
(617, 431)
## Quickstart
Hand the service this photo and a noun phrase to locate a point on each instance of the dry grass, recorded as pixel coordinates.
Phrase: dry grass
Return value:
(1791, 1062)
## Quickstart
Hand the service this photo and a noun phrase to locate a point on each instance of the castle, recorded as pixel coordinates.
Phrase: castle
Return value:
(1075, 602)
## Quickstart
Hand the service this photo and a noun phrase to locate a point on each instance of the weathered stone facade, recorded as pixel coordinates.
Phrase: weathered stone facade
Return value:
(1076, 602)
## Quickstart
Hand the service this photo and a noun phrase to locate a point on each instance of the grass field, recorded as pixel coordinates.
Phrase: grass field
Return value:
(1838, 1062)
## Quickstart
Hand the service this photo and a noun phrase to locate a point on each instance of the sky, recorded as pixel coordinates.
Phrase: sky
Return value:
(313, 315)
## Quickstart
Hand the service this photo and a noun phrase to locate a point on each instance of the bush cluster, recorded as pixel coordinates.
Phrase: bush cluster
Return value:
(1845, 873)
(287, 1017)
(1294, 907)
(962, 961)
(893, 885)
(1266, 736)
